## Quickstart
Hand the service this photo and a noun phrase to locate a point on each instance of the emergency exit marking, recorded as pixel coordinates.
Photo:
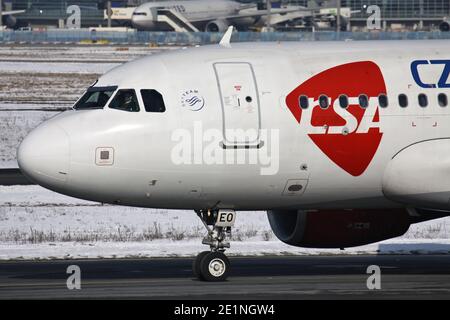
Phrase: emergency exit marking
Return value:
(104, 156)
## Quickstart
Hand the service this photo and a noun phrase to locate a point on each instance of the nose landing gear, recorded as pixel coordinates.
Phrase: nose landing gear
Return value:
(214, 265)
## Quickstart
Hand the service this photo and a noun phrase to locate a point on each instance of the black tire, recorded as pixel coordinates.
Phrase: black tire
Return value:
(214, 261)
(196, 264)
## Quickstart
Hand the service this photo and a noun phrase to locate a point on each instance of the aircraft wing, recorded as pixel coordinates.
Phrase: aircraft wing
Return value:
(11, 13)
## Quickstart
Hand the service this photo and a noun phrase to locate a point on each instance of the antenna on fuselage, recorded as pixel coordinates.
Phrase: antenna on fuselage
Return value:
(226, 40)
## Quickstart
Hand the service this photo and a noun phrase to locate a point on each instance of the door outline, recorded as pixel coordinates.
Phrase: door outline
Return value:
(231, 145)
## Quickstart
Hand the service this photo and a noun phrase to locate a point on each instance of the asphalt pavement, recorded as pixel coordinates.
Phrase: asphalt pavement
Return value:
(304, 277)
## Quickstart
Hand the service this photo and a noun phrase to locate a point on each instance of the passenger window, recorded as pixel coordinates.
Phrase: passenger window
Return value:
(343, 101)
(304, 102)
(383, 101)
(443, 100)
(423, 100)
(403, 100)
(363, 101)
(323, 102)
(125, 100)
(153, 101)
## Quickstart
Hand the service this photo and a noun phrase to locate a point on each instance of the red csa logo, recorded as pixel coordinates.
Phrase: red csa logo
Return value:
(350, 136)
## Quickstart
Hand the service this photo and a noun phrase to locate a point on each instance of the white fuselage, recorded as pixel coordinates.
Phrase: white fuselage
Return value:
(322, 159)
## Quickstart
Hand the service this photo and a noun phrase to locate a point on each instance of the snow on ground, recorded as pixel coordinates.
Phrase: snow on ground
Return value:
(190, 248)
(76, 53)
(55, 67)
(39, 89)
(39, 224)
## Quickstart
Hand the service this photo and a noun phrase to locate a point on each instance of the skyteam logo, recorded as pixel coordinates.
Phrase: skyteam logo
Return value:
(348, 136)
(192, 100)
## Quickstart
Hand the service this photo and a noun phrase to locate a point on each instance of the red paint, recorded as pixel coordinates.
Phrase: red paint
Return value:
(353, 152)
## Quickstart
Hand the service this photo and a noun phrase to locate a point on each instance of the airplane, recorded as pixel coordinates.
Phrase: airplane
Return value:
(207, 15)
(342, 143)
(8, 18)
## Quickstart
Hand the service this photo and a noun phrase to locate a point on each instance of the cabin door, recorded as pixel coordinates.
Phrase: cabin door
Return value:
(240, 104)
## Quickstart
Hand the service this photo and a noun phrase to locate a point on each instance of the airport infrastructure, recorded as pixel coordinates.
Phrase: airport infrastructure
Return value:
(416, 15)
(86, 37)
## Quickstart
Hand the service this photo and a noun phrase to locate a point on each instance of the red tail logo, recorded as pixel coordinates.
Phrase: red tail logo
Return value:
(350, 137)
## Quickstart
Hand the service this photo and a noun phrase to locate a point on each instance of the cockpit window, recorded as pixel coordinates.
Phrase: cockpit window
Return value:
(125, 100)
(95, 98)
(140, 14)
(153, 101)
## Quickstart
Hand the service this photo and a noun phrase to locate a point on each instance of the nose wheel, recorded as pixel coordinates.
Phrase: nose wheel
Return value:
(213, 265)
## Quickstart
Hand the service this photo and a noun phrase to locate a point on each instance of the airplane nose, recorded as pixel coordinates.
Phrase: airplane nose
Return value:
(141, 22)
(44, 156)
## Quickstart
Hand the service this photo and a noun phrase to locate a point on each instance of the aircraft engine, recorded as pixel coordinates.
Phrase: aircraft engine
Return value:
(217, 26)
(338, 228)
(444, 26)
(9, 21)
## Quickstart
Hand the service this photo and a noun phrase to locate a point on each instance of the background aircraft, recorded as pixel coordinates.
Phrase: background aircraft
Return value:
(212, 16)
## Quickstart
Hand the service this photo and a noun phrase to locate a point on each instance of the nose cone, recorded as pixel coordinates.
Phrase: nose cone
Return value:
(142, 22)
(44, 156)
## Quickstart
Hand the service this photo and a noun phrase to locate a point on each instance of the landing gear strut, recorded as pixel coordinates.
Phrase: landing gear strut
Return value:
(214, 265)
